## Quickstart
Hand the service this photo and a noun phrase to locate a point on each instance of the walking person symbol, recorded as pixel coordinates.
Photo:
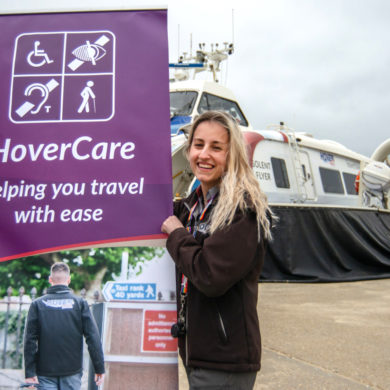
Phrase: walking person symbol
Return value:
(87, 94)
(149, 291)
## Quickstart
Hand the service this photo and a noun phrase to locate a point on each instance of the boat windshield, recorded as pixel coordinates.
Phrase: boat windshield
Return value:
(213, 102)
(182, 103)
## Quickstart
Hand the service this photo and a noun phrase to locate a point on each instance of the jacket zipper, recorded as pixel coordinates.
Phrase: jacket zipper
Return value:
(186, 334)
(222, 325)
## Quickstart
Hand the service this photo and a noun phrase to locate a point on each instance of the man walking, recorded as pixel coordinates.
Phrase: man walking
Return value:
(53, 340)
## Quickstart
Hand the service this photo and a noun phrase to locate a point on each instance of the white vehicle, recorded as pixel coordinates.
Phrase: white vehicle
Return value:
(332, 203)
(292, 167)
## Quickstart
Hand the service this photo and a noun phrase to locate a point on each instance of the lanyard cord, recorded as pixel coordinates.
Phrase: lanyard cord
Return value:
(184, 279)
(191, 214)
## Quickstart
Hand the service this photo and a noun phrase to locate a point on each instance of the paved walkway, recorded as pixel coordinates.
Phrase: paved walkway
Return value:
(332, 336)
(319, 336)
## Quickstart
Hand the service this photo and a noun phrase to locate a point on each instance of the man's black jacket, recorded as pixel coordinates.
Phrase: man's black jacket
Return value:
(53, 342)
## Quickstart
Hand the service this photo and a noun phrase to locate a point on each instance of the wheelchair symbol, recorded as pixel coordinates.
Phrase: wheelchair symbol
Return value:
(38, 57)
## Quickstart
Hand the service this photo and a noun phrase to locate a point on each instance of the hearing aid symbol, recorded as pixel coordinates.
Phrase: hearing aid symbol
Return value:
(44, 90)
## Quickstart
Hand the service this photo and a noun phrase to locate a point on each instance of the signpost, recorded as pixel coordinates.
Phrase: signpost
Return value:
(120, 291)
(138, 347)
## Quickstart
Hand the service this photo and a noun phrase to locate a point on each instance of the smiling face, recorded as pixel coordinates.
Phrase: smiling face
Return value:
(208, 153)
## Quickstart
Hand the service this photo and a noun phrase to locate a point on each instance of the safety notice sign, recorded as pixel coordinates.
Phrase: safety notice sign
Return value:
(157, 331)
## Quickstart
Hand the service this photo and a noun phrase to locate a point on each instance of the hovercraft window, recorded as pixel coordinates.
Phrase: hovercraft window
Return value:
(213, 102)
(331, 181)
(280, 172)
(182, 103)
(349, 181)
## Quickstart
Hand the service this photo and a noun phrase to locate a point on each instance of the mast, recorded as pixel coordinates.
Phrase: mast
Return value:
(203, 60)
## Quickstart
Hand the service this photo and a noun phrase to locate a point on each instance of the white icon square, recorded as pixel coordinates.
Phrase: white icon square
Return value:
(63, 76)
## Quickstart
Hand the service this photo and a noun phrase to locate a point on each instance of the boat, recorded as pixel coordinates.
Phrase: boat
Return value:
(332, 204)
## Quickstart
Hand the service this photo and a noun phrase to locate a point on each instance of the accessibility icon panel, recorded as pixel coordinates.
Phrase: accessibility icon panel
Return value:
(63, 77)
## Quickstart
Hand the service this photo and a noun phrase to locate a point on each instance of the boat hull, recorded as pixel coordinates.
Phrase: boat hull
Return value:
(328, 244)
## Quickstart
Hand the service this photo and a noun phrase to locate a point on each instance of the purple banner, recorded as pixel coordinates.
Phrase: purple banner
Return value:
(85, 156)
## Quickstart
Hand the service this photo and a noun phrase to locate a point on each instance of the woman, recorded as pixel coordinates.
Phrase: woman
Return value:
(217, 239)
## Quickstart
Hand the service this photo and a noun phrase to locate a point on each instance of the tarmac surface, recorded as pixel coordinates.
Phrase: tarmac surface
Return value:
(323, 336)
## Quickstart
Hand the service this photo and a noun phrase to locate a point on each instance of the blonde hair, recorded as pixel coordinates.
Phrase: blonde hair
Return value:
(239, 188)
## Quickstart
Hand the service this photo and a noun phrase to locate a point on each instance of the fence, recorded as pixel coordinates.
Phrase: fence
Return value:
(13, 313)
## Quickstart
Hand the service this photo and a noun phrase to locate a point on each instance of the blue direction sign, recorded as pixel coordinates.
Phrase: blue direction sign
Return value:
(122, 291)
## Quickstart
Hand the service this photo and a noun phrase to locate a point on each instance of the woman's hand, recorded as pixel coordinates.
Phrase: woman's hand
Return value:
(170, 224)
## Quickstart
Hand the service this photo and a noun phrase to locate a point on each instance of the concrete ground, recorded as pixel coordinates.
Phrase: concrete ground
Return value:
(333, 336)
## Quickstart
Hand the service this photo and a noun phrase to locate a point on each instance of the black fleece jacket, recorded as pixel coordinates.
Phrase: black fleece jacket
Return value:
(53, 341)
(223, 270)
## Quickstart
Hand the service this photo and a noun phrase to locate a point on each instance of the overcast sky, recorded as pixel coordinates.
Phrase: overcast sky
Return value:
(320, 66)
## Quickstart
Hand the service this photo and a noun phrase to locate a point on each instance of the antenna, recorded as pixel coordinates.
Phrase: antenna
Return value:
(178, 40)
(233, 26)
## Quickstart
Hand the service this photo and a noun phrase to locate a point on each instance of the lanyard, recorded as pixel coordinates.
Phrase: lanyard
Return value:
(190, 215)
(184, 285)
(184, 279)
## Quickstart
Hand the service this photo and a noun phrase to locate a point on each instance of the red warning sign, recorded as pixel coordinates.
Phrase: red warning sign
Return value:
(157, 331)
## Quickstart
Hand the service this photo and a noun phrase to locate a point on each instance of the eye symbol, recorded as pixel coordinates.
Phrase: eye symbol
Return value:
(89, 52)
